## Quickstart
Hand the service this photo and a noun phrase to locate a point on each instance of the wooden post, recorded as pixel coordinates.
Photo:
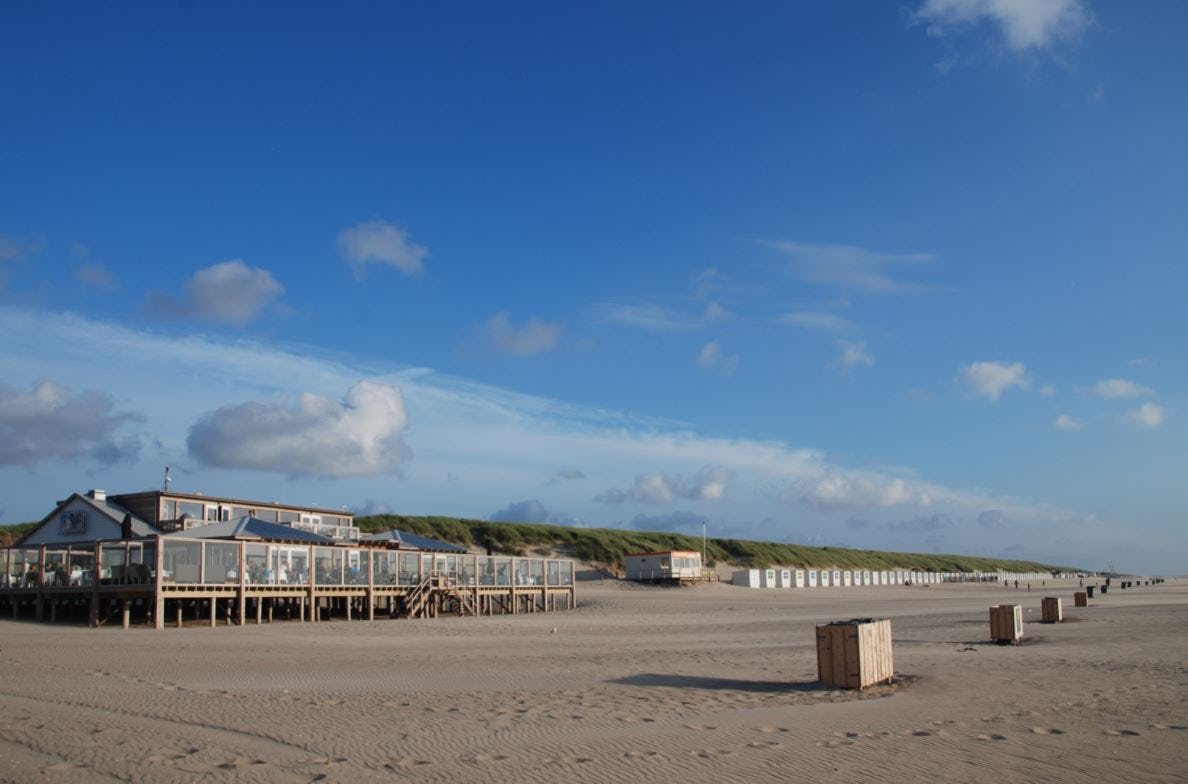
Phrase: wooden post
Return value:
(241, 593)
(214, 608)
(313, 605)
(125, 613)
(158, 582)
(95, 572)
(370, 582)
(39, 611)
(179, 613)
(259, 610)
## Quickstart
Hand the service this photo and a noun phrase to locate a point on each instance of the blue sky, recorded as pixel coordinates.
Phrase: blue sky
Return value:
(906, 276)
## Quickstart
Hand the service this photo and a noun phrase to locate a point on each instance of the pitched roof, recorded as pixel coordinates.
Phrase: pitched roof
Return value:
(116, 512)
(412, 541)
(252, 528)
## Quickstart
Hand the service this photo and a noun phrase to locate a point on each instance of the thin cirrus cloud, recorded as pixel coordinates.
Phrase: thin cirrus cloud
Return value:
(382, 243)
(500, 336)
(1149, 415)
(319, 436)
(94, 275)
(230, 292)
(851, 268)
(48, 421)
(657, 318)
(708, 484)
(816, 320)
(1024, 24)
(991, 379)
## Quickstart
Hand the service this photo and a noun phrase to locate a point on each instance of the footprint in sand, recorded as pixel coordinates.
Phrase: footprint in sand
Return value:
(1128, 733)
(65, 766)
(772, 728)
(406, 763)
(570, 759)
(991, 737)
(1047, 731)
(713, 753)
(487, 759)
(765, 744)
(643, 756)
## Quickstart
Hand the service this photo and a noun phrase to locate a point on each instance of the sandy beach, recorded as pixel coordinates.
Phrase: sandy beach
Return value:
(713, 683)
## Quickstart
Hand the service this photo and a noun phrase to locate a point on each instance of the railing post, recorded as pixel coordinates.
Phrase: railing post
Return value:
(242, 593)
(370, 582)
(40, 580)
(96, 570)
(202, 563)
(313, 613)
(158, 581)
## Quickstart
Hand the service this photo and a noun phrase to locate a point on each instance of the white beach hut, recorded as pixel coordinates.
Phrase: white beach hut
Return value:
(811, 578)
(768, 578)
(866, 577)
(784, 578)
(847, 578)
(747, 578)
(798, 578)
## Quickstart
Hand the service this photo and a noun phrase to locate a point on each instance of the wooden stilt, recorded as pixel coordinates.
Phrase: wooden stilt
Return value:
(125, 613)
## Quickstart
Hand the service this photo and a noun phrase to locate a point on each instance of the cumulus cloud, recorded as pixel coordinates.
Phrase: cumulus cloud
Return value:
(1048, 390)
(48, 421)
(1024, 24)
(854, 354)
(840, 490)
(851, 268)
(708, 484)
(230, 292)
(1147, 415)
(358, 436)
(1114, 388)
(711, 357)
(657, 318)
(993, 520)
(527, 511)
(991, 379)
(1065, 422)
(370, 507)
(380, 242)
(499, 335)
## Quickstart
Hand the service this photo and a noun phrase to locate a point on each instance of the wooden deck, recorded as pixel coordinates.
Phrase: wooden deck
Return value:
(472, 585)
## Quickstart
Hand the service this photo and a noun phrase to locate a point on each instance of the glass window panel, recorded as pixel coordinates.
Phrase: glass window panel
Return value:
(191, 509)
(181, 561)
(220, 562)
(268, 515)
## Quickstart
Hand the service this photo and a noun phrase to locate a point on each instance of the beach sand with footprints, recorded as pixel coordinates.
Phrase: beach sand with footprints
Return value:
(713, 683)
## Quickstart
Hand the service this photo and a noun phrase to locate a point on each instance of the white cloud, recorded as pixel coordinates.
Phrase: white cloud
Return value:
(1065, 422)
(991, 379)
(535, 337)
(711, 357)
(360, 436)
(708, 484)
(229, 293)
(380, 242)
(851, 268)
(1024, 24)
(854, 490)
(1048, 390)
(1113, 388)
(854, 354)
(657, 318)
(1147, 415)
(50, 422)
(820, 321)
(566, 475)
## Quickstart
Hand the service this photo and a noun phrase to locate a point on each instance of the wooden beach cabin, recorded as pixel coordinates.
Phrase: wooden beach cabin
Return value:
(812, 578)
(664, 566)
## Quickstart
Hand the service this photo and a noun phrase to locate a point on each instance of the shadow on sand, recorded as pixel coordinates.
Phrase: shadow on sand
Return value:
(719, 684)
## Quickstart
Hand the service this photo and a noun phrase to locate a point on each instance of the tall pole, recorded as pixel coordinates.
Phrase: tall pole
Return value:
(702, 544)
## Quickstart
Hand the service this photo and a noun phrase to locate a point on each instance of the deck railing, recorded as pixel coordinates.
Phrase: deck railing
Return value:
(180, 561)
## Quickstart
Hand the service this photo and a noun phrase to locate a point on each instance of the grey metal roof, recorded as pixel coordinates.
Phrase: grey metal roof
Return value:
(410, 540)
(251, 528)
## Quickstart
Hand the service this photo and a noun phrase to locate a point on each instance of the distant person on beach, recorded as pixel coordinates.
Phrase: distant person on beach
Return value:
(1016, 585)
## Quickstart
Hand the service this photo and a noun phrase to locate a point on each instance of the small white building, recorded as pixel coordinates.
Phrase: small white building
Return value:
(747, 578)
(784, 578)
(663, 566)
(866, 577)
(835, 578)
(768, 578)
(798, 578)
(811, 576)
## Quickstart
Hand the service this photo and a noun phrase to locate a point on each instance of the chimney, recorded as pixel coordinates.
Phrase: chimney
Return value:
(98, 495)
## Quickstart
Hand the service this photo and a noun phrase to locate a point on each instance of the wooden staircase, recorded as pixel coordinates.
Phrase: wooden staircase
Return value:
(421, 601)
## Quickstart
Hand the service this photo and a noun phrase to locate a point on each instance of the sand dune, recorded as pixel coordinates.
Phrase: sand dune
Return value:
(653, 684)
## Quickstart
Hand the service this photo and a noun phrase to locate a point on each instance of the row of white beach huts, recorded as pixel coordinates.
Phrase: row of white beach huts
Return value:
(846, 578)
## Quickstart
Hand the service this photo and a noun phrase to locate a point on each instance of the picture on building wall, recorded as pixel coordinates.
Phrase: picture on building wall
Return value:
(73, 523)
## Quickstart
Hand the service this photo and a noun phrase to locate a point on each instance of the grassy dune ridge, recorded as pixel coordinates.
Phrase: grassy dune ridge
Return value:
(609, 545)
